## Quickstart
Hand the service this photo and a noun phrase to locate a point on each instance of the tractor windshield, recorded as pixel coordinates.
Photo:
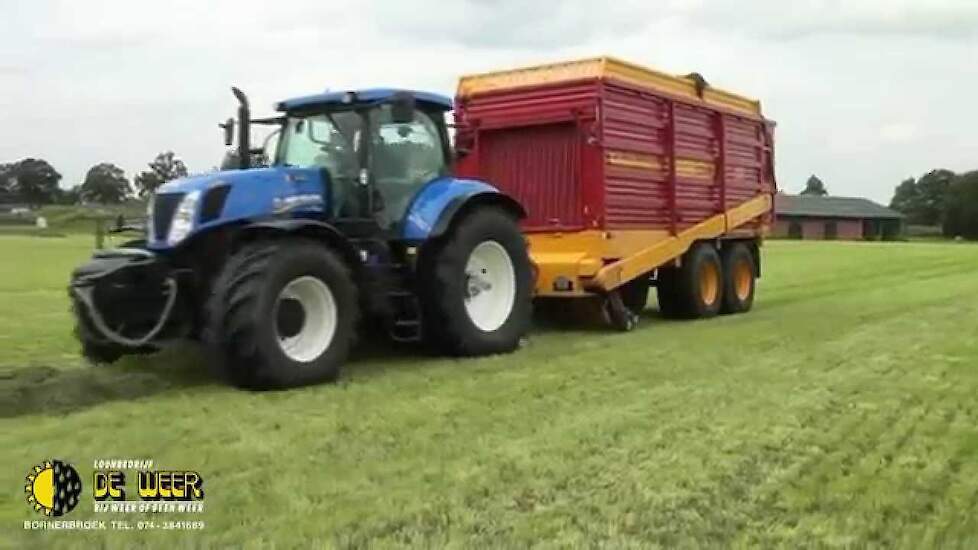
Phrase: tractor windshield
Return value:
(324, 140)
(401, 157)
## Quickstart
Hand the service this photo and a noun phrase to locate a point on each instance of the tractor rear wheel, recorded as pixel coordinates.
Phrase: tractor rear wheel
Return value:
(739, 277)
(476, 286)
(282, 313)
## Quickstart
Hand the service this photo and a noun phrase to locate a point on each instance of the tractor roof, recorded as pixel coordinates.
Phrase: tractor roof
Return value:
(370, 95)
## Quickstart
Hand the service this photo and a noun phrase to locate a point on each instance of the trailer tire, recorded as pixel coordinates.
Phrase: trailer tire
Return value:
(700, 282)
(739, 278)
(260, 327)
(483, 253)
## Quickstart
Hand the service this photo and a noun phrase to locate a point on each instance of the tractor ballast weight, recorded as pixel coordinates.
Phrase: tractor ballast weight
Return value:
(364, 217)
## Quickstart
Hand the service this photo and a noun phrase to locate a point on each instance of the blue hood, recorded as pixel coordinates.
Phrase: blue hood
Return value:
(254, 194)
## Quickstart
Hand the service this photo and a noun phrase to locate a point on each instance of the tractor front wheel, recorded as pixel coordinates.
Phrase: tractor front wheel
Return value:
(282, 313)
(477, 286)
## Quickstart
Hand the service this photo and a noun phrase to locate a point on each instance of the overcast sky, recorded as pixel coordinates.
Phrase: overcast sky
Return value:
(865, 92)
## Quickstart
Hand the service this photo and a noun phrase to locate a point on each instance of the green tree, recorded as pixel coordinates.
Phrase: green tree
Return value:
(34, 180)
(105, 183)
(165, 167)
(923, 200)
(815, 187)
(932, 189)
(905, 197)
(6, 185)
(961, 207)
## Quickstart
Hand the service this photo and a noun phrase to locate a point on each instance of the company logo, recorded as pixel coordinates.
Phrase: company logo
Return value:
(292, 202)
(53, 488)
(164, 485)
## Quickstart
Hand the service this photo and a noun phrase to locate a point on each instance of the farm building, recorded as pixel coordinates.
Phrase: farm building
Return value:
(844, 218)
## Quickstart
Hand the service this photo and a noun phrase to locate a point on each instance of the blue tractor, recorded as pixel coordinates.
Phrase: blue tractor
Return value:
(357, 222)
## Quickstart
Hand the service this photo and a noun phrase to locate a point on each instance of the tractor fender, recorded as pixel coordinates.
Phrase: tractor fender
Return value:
(445, 200)
(302, 227)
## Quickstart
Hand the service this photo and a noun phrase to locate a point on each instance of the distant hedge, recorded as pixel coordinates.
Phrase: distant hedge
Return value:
(69, 219)
(16, 219)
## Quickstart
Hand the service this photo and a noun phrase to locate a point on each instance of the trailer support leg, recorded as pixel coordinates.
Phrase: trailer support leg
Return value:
(617, 313)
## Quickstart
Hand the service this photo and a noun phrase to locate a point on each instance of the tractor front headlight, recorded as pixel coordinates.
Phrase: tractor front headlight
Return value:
(183, 218)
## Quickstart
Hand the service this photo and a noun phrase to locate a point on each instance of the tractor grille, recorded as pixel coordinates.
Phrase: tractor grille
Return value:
(164, 205)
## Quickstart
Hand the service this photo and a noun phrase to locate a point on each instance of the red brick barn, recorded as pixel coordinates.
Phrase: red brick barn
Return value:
(843, 218)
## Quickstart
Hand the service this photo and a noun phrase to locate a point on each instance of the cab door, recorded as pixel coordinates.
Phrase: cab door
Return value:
(405, 156)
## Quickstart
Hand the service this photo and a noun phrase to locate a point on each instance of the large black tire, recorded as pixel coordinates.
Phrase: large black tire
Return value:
(697, 286)
(243, 319)
(445, 286)
(739, 278)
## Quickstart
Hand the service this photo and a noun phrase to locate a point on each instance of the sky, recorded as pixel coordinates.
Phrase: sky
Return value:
(865, 92)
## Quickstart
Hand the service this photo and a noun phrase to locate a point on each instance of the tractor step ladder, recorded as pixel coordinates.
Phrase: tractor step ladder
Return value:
(405, 325)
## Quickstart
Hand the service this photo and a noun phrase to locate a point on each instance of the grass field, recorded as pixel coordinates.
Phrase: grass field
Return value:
(841, 412)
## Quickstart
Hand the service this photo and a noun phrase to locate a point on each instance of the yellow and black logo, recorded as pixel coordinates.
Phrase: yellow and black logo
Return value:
(53, 488)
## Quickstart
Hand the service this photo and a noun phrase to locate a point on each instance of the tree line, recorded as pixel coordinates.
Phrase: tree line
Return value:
(940, 198)
(35, 182)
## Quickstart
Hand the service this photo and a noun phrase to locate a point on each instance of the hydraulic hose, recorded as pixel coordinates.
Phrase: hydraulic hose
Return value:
(85, 295)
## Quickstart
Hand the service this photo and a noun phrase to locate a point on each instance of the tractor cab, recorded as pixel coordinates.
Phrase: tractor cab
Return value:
(375, 149)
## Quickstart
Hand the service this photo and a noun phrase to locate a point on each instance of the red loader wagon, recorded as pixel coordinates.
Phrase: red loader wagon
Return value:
(630, 178)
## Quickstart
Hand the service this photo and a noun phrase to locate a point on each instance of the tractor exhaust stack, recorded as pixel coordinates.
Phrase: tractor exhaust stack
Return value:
(244, 129)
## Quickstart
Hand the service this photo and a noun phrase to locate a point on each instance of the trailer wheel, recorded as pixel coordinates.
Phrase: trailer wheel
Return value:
(739, 278)
(699, 283)
(476, 286)
(282, 313)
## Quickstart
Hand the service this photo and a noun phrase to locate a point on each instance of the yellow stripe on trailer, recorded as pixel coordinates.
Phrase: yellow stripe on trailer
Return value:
(607, 68)
(596, 261)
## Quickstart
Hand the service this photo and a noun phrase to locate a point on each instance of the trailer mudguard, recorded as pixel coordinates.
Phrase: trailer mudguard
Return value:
(435, 207)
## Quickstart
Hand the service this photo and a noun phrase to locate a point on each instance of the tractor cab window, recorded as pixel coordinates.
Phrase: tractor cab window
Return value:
(405, 156)
(328, 141)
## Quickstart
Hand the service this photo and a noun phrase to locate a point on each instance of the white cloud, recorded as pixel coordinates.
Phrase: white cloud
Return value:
(897, 132)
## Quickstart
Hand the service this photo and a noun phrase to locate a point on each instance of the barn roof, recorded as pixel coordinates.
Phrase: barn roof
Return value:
(831, 207)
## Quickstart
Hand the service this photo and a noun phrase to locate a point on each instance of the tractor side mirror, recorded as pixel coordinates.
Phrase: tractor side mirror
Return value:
(402, 108)
(228, 128)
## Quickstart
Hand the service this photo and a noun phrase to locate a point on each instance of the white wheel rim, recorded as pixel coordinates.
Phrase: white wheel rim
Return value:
(319, 319)
(490, 286)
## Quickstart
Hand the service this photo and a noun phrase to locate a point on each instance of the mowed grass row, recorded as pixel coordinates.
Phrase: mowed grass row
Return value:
(841, 411)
